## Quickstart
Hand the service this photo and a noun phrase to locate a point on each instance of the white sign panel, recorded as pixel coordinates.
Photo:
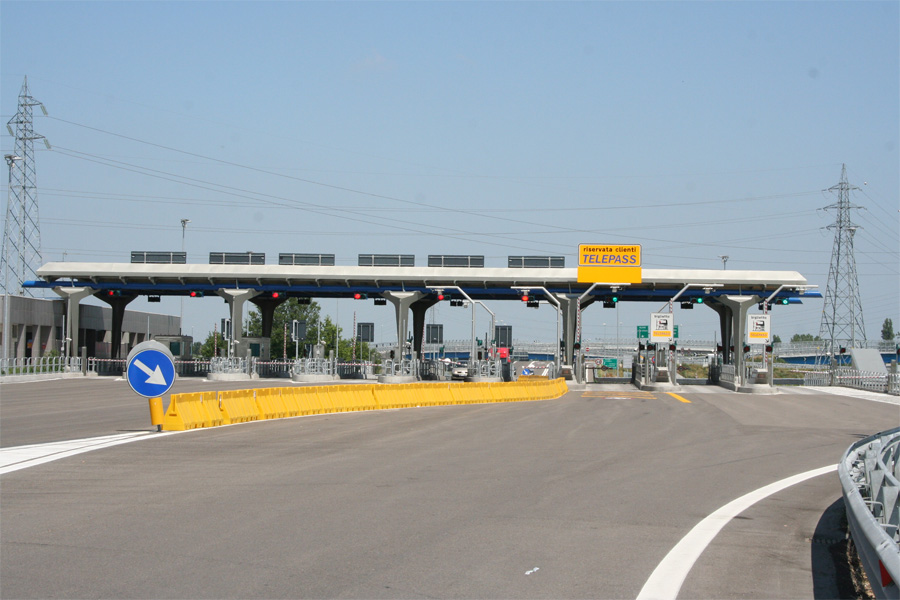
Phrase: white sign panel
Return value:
(759, 329)
(662, 327)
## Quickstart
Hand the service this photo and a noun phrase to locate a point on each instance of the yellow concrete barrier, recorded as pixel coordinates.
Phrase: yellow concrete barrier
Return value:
(211, 409)
(190, 411)
(270, 404)
(238, 406)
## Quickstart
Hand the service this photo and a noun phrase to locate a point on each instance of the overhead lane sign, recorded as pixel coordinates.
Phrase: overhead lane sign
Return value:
(606, 263)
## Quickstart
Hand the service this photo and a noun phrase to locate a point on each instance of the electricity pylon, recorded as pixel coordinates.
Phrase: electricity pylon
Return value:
(842, 315)
(21, 253)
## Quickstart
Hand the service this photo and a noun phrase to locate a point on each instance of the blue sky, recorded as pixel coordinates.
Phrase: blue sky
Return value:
(504, 128)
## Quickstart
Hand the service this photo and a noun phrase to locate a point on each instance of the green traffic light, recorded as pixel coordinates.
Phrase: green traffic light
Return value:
(615, 298)
(698, 300)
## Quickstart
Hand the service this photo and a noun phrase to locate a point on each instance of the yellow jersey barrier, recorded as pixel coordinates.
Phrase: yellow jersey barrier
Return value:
(212, 409)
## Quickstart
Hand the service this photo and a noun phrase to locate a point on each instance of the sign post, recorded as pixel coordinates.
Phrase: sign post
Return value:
(150, 372)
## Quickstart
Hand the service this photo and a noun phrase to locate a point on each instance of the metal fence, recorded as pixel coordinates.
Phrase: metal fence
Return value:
(870, 478)
(229, 366)
(866, 380)
(40, 366)
(726, 373)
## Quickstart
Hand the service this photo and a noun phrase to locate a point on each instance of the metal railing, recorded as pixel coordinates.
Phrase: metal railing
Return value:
(313, 366)
(867, 380)
(233, 365)
(816, 378)
(727, 373)
(399, 367)
(870, 477)
(488, 368)
(40, 366)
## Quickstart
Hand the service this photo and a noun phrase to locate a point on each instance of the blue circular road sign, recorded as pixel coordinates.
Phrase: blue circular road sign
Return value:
(150, 369)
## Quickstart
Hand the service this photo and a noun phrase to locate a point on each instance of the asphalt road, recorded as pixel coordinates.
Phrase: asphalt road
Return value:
(579, 497)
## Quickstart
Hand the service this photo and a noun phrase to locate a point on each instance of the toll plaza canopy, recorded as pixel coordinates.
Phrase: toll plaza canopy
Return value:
(729, 292)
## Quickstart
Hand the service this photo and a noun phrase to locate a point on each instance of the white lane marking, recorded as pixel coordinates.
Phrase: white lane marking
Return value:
(22, 457)
(665, 581)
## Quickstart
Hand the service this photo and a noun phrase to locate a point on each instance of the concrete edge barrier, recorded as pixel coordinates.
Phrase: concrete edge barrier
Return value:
(212, 409)
(879, 553)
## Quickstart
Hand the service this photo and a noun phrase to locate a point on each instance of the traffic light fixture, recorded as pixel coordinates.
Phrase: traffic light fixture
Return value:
(610, 301)
(196, 294)
(360, 296)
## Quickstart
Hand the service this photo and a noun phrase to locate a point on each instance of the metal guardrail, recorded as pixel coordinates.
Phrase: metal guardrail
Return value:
(870, 477)
(40, 366)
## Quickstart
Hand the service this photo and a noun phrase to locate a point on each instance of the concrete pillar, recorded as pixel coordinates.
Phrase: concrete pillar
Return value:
(724, 313)
(266, 306)
(419, 308)
(568, 304)
(739, 306)
(402, 302)
(21, 347)
(73, 296)
(51, 339)
(36, 341)
(236, 300)
(117, 304)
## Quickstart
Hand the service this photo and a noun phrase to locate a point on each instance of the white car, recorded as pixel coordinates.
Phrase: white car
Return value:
(459, 372)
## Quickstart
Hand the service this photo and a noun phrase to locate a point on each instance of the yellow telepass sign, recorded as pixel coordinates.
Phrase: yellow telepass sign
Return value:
(602, 263)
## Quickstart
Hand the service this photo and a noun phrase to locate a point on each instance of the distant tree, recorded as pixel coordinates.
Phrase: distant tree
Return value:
(776, 339)
(805, 337)
(887, 330)
(211, 344)
(282, 320)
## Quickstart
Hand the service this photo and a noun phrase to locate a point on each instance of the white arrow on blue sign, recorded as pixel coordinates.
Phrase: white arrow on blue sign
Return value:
(150, 369)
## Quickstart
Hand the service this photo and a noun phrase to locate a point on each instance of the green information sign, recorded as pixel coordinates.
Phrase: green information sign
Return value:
(610, 363)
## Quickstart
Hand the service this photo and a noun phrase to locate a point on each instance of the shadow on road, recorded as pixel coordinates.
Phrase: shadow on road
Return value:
(836, 570)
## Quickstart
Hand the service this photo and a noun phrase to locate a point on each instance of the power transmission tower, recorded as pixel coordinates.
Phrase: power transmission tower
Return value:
(842, 316)
(21, 254)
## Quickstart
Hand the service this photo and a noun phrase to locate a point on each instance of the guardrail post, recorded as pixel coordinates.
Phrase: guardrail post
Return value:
(84, 360)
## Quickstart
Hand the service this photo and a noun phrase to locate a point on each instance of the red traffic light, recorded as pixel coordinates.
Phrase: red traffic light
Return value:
(275, 294)
(440, 297)
(524, 297)
(196, 294)
(360, 296)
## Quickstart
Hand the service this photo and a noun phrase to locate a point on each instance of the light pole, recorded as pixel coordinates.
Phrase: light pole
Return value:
(7, 329)
(184, 223)
(724, 261)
